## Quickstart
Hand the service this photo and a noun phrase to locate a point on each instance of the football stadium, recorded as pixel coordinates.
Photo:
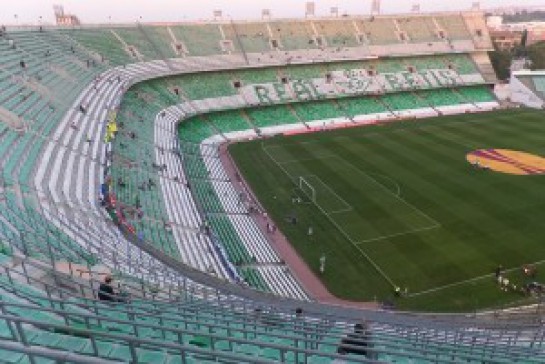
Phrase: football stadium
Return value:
(341, 189)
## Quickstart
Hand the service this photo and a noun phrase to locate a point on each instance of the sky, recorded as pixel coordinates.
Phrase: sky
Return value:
(127, 11)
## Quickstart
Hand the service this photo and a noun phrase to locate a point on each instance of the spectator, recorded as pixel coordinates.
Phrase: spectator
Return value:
(355, 343)
(106, 291)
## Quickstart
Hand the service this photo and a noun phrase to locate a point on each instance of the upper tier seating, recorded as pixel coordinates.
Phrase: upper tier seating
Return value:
(103, 42)
(161, 40)
(454, 26)
(294, 35)
(199, 40)
(418, 28)
(337, 33)
(379, 30)
(306, 71)
(253, 37)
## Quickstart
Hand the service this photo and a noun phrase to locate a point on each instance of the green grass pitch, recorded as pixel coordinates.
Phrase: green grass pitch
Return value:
(398, 205)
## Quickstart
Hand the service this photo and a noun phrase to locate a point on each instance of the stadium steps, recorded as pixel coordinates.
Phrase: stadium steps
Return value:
(344, 110)
(294, 113)
(229, 121)
(130, 49)
(212, 126)
(485, 68)
(386, 106)
(464, 98)
(250, 121)
(424, 99)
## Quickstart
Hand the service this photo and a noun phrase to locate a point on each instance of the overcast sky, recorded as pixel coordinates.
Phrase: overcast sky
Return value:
(99, 11)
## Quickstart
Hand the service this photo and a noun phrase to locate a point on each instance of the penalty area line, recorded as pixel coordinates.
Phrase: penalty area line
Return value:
(291, 161)
(267, 150)
(412, 231)
(383, 187)
(341, 230)
(347, 208)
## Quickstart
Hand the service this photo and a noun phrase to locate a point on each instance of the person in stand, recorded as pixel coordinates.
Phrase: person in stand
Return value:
(357, 342)
(106, 291)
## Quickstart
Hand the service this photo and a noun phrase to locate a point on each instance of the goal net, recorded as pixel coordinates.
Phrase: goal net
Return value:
(307, 189)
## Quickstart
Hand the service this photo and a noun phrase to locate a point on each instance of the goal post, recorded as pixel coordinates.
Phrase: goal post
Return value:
(307, 189)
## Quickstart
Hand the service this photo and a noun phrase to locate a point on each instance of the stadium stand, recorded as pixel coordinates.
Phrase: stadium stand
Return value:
(250, 37)
(101, 42)
(270, 115)
(116, 170)
(294, 35)
(379, 30)
(539, 84)
(418, 29)
(337, 33)
(199, 40)
(527, 88)
(454, 26)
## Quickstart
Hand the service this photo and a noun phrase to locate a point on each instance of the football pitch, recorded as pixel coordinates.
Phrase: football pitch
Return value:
(402, 205)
